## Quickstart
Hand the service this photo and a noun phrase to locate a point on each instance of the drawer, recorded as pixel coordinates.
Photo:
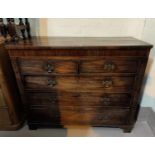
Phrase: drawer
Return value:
(4, 116)
(78, 116)
(81, 83)
(79, 99)
(41, 99)
(46, 114)
(28, 66)
(92, 117)
(106, 65)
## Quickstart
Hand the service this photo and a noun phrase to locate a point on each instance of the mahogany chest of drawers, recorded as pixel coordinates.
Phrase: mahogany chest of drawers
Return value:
(80, 81)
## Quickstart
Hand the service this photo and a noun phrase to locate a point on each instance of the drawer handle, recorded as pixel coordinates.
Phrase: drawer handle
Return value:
(109, 66)
(49, 68)
(107, 83)
(105, 100)
(51, 82)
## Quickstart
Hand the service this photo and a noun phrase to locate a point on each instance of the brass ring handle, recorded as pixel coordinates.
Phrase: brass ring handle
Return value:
(109, 66)
(49, 68)
(107, 83)
(51, 82)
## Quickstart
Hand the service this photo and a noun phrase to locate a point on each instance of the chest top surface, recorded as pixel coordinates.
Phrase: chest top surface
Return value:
(79, 43)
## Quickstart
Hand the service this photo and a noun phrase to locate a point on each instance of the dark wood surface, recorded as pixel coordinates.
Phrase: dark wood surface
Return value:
(79, 42)
(39, 99)
(11, 115)
(80, 81)
(80, 84)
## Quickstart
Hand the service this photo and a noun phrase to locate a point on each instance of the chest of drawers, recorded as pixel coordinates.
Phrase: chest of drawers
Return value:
(80, 81)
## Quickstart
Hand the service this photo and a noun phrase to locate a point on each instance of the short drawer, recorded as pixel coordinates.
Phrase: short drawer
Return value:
(81, 83)
(92, 117)
(29, 66)
(109, 65)
(79, 99)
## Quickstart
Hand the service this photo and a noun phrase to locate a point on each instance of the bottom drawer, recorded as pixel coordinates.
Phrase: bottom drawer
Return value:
(44, 115)
(90, 117)
(78, 115)
(4, 116)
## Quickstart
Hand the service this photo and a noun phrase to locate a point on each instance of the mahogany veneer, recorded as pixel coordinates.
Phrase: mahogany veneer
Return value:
(80, 81)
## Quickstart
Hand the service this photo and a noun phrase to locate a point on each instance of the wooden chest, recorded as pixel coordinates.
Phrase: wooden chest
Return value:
(80, 81)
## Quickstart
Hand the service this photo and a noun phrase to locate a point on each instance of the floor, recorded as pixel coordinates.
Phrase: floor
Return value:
(144, 127)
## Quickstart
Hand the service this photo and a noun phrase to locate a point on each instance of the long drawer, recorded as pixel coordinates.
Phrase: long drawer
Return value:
(78, 99)
(78, 115)
(80, 84)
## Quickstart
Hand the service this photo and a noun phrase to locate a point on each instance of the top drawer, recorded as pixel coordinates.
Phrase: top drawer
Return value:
(73, 66)
(34, 66)
(109, 65)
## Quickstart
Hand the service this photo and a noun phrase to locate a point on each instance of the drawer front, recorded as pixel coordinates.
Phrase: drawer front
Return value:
(113, 66)
(79, 99)
(4, 116)
(78, 116)
(41, 99)
(47, 66)
(46, 114)
(80, 84)
(91, 117)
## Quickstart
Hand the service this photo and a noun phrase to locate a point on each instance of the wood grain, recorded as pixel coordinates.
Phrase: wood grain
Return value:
(48, 67)
(93, 99)
(80, 84)
(11, 116)
(2, 100)
(109, 65)
(4, 117)
(88, 117)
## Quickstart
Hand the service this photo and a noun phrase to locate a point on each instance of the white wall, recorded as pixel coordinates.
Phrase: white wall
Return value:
(95, 27)
(149, 89)
(139, 28)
